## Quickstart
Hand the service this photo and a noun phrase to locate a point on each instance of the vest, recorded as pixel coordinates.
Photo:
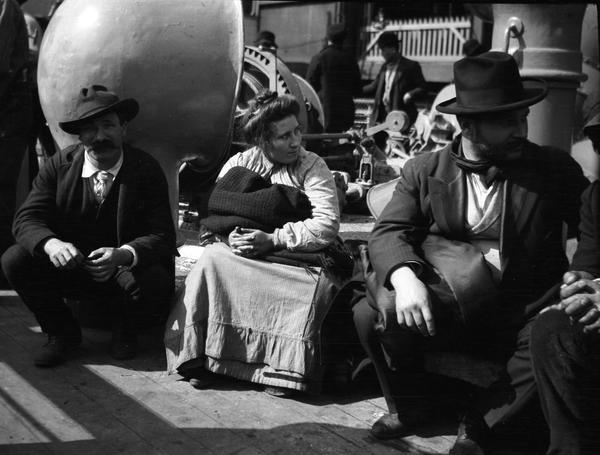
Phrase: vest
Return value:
(96, 225)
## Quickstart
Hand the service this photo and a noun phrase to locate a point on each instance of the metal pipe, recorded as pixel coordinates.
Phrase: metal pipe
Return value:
(325, 136)
(549, 48)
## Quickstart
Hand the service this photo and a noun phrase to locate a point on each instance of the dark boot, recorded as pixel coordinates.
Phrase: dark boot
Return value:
(389, 426)
(55, 351)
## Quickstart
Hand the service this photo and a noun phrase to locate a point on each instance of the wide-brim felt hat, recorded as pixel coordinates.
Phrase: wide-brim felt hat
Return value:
(96, 101)
(490, 82)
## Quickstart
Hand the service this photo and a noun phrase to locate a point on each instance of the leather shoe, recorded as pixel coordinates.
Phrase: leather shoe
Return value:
(279, 392)
(472, 432)
(54, 352)
(202, 379)
(389, 426)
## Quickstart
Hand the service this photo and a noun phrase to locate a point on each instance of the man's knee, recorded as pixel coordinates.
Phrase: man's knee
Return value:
(16, 262)
(553, 336)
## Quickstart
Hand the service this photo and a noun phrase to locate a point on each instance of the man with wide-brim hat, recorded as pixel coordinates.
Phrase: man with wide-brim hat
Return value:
(97, 222)
(468, 252)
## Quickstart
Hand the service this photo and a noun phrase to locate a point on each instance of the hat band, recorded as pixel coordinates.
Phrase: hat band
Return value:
(477, 98)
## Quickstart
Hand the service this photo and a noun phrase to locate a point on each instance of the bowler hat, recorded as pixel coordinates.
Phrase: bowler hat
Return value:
(490, 82)
(94, 102)
(266, 38)
(336, 33)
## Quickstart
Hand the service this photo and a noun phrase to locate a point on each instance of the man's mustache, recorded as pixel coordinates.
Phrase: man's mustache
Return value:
(103, 144)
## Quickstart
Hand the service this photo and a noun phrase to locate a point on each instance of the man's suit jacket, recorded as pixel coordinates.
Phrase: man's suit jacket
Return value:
(587, 256)
(334, 74)
(144, 218)
(541, 192)
(408, 78)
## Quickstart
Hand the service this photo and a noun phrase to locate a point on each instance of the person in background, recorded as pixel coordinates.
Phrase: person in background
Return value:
(96, 222)
(397, 86)
(335, 76)
(265, 41)
(472, 47)
(16, 113)
(568, 348)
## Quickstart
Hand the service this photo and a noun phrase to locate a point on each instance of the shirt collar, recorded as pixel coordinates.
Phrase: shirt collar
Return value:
(90, 169)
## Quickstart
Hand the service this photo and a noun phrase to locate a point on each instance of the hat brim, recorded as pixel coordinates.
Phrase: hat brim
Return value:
(127, 108)
(534, 90)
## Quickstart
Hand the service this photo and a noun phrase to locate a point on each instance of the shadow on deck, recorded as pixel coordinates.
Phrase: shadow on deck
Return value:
(93, 404)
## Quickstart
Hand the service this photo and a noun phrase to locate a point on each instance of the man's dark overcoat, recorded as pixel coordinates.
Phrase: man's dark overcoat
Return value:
(335, 76)
(143, 221)
(542, 191)
(408, 78)
(587, 256)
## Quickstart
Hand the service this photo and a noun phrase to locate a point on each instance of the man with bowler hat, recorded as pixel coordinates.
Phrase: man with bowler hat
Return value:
(335, 76)
(96, 222)
(398, 84)
(469, 251)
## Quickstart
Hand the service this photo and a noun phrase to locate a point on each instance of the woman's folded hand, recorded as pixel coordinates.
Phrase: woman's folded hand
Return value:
(250, 242)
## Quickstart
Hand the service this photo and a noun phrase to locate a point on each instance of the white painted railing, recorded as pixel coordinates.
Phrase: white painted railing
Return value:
(427, 39)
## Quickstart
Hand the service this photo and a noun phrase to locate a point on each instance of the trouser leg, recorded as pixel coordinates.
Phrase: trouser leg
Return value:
(399, 345)
(566, 365)
(516, 384)
(146, 291)
(136, 293)
(39, 285)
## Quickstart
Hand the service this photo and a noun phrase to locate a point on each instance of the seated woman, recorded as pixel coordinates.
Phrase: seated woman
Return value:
(243, 316)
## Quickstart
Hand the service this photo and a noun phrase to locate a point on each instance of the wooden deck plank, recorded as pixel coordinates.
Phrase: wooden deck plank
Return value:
(75, 419)
(102, 406)
(148, 405)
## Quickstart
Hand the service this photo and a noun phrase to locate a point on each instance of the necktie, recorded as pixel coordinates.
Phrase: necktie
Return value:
(102, 183)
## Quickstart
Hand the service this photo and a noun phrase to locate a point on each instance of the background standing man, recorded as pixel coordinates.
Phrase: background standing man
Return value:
(334, 74)
(16, 115)
(398, 84)
(97, 221)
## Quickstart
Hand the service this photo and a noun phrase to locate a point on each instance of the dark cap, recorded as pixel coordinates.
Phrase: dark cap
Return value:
(266, 38)
(388, 39)
(336, 33)
(472, 47)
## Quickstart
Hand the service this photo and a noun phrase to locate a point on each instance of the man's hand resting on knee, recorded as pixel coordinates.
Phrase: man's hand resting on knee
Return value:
(63, 255)
(413, 306)
(580, 300)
